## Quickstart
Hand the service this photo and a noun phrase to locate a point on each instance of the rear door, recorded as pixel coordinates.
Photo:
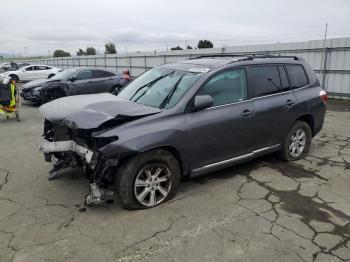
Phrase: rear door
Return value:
(224, 131)
(274, 104)
(103, 81)
(40, 72)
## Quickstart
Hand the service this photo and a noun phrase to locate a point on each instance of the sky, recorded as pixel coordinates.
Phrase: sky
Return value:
(38, 27)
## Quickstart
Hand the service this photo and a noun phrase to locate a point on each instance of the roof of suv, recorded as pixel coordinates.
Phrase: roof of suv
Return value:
(216, 61)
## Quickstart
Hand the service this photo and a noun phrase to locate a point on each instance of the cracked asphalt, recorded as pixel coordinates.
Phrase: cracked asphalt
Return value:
(264, 210)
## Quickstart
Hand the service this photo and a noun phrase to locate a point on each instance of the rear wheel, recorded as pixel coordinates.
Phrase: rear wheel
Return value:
(297, 143)
(148, 179)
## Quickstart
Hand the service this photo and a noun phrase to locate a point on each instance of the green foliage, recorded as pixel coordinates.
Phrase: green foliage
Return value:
(110, 48)
(189, 47)
(176, 48)
(80, 52)
(90, 51)
(60, 53)
(205, 44)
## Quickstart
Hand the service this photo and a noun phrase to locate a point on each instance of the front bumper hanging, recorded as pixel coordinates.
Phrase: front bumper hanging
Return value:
(67, 146)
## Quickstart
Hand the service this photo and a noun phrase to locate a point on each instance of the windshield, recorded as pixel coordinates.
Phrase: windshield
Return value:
(159, 87)
(64, 74)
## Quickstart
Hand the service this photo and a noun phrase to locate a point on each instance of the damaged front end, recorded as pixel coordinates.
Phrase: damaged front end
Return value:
(71, 129)
(66, 148)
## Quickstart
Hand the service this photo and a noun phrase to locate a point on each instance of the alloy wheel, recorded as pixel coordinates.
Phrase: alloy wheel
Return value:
(297, 143)
(152, 184)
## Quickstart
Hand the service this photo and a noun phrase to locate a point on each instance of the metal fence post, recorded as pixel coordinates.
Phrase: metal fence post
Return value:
(130, 65)
(105, 61)
(324, 70)
(116, 63)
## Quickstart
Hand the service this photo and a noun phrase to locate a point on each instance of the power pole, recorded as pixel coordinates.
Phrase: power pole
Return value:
(25, 51)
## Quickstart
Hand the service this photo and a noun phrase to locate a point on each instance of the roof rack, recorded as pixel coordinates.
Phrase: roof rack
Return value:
(217, 55)
(251, 57)
(245, 56)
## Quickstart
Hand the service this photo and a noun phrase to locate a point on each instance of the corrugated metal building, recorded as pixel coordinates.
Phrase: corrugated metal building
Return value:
(331, 61)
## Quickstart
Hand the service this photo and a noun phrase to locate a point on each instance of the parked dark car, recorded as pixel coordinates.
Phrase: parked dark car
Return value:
(184, 119)
(74, 81)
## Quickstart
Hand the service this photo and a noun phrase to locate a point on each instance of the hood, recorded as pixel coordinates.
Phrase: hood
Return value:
(91, 111)
(35, 83)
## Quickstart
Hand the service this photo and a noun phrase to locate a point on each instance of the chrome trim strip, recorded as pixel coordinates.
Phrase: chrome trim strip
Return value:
(232, 160)
(255, 98)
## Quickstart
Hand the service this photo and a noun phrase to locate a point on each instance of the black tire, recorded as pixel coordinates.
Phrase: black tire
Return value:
(128, 172)
(15, 78)
(286, 153)
(53, 95)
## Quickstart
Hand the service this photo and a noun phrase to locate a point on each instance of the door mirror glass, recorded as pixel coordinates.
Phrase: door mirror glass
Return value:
(202, 102)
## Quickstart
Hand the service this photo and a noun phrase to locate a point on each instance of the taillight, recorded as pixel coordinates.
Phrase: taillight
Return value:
(323, 96)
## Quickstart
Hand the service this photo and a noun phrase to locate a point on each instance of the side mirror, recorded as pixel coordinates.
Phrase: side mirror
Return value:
(202, 102)
(50, 76)
(72, 79)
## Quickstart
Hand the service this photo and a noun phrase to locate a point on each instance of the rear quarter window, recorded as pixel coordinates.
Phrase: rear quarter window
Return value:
(297, 76)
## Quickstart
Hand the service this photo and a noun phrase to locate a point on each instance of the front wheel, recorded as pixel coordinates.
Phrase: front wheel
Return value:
(53, 95)
(148, 179)
(297, 143)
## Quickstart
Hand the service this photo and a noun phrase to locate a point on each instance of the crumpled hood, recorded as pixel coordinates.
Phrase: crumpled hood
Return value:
(91, 111)
(35, 83)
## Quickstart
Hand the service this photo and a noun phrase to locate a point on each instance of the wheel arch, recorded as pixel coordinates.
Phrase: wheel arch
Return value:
(14, 75)
(173, 150)
(308, 119)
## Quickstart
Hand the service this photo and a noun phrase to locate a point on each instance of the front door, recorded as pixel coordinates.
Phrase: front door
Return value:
(82, 83)
(223, 132)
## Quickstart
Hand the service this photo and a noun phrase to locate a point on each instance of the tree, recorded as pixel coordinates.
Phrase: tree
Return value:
(110, 48)
(189, 47)
(60, 53)
(176, 48)
(205, 44)
(90, 51)
(80, 52)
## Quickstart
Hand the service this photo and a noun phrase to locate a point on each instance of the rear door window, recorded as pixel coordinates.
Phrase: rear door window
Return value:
(102, 74)
(264, 80)
(297, 76)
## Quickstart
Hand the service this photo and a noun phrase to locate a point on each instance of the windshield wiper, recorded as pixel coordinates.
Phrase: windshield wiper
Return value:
(172, 91)
(148, 84)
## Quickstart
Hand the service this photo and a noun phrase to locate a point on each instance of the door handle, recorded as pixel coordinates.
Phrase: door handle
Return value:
(290, 102)
(246, 113)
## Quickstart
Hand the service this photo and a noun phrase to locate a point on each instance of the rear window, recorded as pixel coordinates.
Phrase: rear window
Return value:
(264, 80)
(297, 76)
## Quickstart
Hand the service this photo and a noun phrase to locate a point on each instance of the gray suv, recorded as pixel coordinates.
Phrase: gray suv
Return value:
(184, 119)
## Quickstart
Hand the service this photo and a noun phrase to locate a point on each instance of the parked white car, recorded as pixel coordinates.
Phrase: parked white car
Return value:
(5, 66)
(32, 72)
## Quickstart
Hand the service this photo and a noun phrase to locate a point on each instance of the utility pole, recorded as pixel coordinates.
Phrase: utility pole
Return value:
(324, 57)
(25, 51)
